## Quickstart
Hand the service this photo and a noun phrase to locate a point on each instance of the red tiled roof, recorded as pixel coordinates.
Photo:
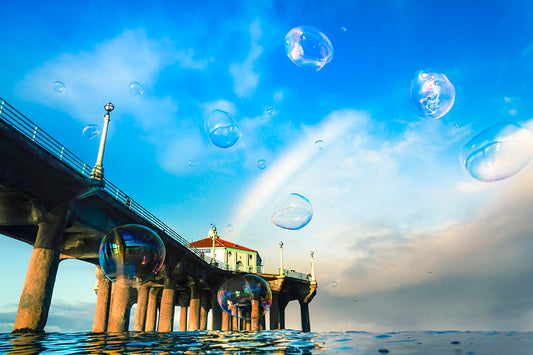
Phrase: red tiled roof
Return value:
(219, 243)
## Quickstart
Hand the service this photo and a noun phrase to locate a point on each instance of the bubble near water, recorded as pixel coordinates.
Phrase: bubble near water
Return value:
(498, 152)
(246, 296)
(91, 131)
(135, 88)
(432, 94)
(58, 86)
(131, 254)
(308, 48)
(295, 212)
(261, 164)
(222, 129)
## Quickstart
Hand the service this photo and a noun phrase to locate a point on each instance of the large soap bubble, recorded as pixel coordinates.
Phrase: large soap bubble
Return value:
(91, 131)
(294, 212)
(308, 48)
(432, 94)
(58, 86)
(247, 296)
(222, 128)
(498, 152)
(131, 254)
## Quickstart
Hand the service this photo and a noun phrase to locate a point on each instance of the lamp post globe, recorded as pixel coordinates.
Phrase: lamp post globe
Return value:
(109, 107)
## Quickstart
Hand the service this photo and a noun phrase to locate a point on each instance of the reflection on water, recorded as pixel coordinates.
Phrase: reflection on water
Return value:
(270, 342)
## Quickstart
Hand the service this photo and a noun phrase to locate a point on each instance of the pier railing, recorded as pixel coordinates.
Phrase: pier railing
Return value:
(32, 132)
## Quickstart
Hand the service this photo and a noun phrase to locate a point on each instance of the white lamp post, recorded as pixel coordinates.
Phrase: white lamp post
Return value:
(213, 234)
(282, 272)
(98, 170)
(313, 279)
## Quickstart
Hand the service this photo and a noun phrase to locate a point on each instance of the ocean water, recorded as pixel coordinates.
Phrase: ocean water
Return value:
(271, 342)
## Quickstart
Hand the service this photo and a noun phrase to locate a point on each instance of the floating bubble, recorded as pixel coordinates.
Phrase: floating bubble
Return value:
(229, 228)
(135, 88)
(261, 164)
(355, 299)
(131, 254)
(190, 163)
(432, 94)
(270, 112)
(334, 283)
(58, 86)
(498, 152)
(293, 213)
(222, 128)
(245, 296)
(344, 28)
(91, 131)
(308, 48)
(319, 144)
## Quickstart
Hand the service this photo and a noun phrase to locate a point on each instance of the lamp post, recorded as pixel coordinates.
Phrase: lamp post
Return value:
(98, 170)
(313, 279)
(282, 272)
(213, 234)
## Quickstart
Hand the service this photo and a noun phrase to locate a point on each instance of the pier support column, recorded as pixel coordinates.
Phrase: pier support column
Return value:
(234, 319)
(282, 305)
(184, 298)
(304, 312)
(226, 321)
(256, 320)
(205, 306)
(274, 311)
(262, 324)
(216, 313)
(166, 314)
(151, 312)
(101, 313)
(142, 306)
(194, 308)
(120, 307)
(36, 294)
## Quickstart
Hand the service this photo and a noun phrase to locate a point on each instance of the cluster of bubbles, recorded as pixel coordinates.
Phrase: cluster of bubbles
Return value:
(308, 48)
(58, 86)
(245, 296)
(498, 152)
(293, 213)
(432, 94)
(131, 254)
(222, 128)
(91, 131)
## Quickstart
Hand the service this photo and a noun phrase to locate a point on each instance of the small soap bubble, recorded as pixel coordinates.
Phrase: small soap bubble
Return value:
(319, 144)
(131, 254)
(295, 212)
(229, 228)
(135, 88)
(498, 152)
(344, 28)
(334, 283)
(432, 94)
(355, 299)
(222, 128)
(190, 163)
(270, 112)
(91, 131)
(241, 295)
(261, 164)
(308, 48)
(58, 86)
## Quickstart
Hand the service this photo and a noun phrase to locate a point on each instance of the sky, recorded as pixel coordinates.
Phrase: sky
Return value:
(403, 237)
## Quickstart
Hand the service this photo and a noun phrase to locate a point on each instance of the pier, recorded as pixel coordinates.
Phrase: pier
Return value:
(63, 207)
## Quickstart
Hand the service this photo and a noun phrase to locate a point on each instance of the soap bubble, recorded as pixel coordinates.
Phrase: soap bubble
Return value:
(294, 212)
(498, 152)
(432, 94)
(319, 144)
(222, 128)
(261, 164)
(308, 48)
(229, 228)
(58, 86)
(91, 131)
(270, 112)
(135, 88)
(344, 28)
(355, 299)
(190, 163)
(131, 254)
(334, 283)
(238, 295)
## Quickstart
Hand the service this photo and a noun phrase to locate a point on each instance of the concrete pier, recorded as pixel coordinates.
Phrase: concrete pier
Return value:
(120, 308)
(142, 307)
(166, 315)
(103, 299)
(151, 312)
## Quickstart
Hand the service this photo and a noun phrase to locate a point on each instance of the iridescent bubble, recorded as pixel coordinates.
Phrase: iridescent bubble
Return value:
(432, 94)
(319, 144)
(131, 254)
(293, 213)
(58, 86)
(91, 131)
(308, 48)
(261, 164)
(498, 152)
(135, 88)
(270, 112)
(247, 296)
(222, 128)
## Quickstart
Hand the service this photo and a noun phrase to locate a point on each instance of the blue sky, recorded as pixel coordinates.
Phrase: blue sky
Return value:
(397, 222)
